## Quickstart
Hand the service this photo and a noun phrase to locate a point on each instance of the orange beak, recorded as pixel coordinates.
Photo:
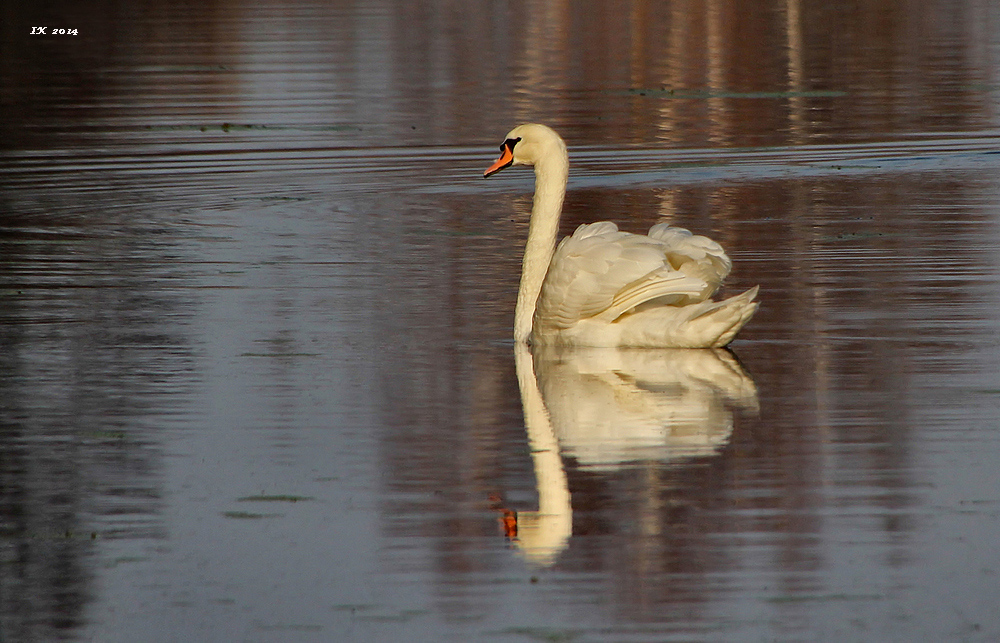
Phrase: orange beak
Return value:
(506, 158)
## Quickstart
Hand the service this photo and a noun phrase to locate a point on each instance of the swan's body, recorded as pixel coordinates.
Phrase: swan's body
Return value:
(604, 287)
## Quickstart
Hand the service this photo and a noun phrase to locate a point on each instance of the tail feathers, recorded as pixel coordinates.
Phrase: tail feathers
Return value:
(708, 325)
(732, 314)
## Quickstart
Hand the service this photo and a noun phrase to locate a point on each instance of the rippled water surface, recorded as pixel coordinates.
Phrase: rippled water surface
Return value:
(257, 379)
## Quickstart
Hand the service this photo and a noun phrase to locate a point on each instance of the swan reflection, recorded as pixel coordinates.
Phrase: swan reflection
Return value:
(605, 408)
(608, 407)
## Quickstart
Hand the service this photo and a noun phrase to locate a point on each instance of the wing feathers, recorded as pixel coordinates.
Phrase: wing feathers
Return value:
(672, 285)
(602, 272)
(586, 230)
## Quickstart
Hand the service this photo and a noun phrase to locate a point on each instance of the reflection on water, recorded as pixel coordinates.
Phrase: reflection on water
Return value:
(541, 534)
(94, 359)
(605, 408)
(256, 379)
(611, 407)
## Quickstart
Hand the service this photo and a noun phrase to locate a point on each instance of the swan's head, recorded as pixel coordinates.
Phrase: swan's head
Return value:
(527, 145)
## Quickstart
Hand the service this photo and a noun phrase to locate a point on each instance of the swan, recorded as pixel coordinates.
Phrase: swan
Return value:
(606, 288)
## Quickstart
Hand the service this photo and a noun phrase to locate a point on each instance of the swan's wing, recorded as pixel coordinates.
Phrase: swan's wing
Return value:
(693, 255)
(602, 272)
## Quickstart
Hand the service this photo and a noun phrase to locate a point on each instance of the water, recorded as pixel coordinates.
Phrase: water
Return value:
(257, 381)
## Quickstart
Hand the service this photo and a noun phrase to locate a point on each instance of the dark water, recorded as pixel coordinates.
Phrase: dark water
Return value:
(256, 375)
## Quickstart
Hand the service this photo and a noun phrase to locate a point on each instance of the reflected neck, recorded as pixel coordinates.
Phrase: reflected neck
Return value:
(542, 535)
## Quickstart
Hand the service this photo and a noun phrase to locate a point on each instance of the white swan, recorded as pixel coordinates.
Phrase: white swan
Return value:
(603, 287)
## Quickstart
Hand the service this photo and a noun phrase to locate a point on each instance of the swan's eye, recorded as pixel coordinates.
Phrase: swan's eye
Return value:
(509, 144)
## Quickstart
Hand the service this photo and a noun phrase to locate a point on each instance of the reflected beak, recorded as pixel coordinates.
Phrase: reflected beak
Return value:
(506, 158)
(509, 522)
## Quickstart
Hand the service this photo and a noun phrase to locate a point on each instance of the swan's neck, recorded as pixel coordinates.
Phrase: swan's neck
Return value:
(550, 189)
